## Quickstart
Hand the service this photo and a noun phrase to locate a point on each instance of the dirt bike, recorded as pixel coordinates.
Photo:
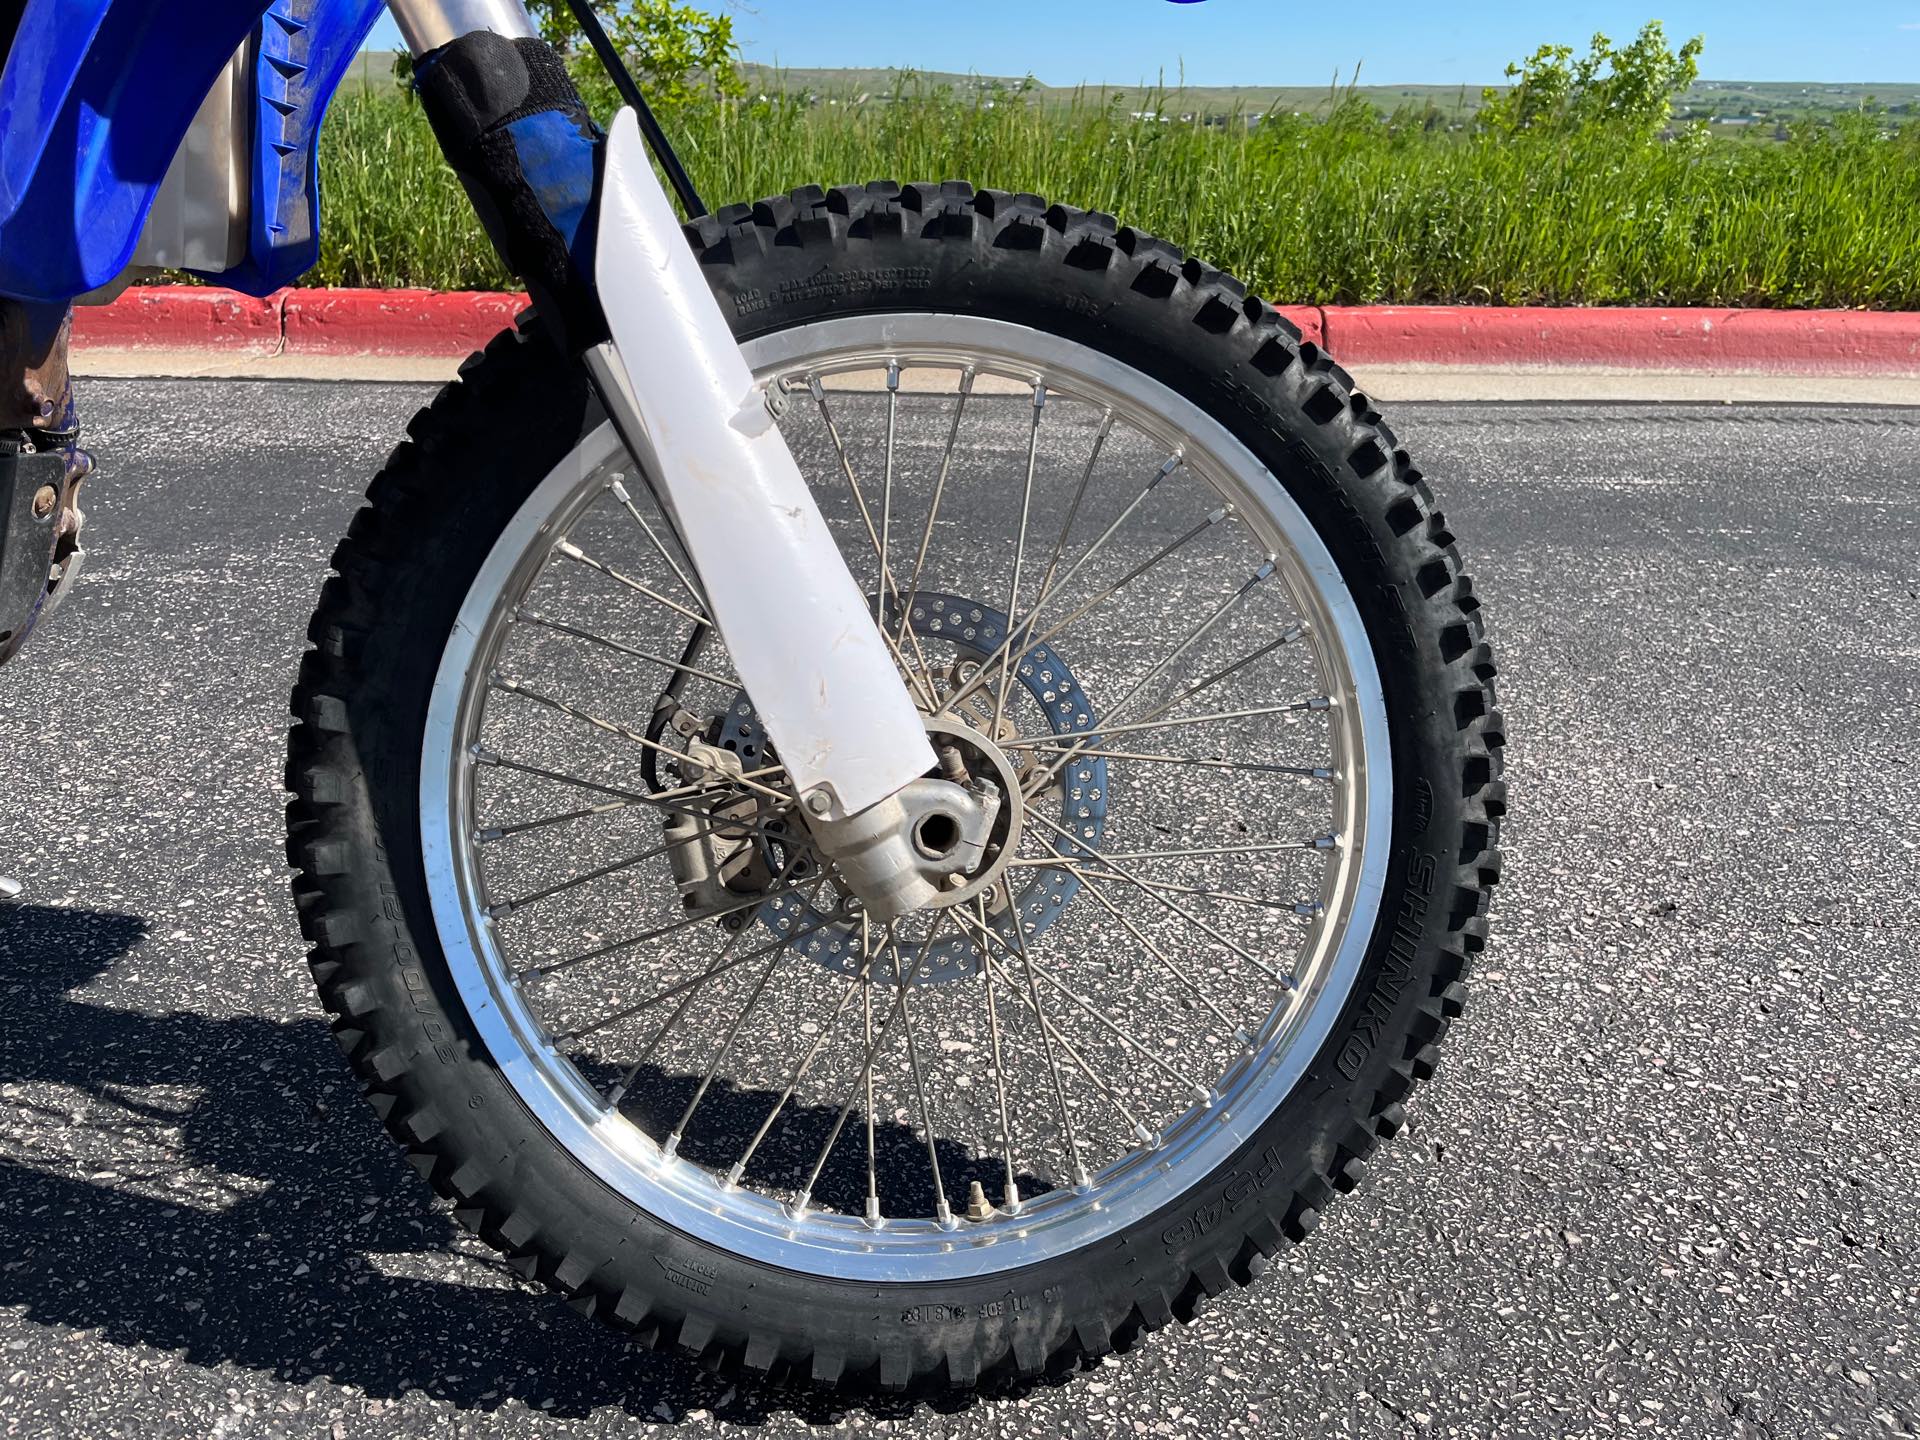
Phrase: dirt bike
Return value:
(894, 789)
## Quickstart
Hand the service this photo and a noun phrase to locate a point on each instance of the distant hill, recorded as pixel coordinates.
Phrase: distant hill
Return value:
(1727, 102)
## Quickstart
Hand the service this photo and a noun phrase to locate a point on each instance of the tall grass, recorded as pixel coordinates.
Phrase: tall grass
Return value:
(1350, 209)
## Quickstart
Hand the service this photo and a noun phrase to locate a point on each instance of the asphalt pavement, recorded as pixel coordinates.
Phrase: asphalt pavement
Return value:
(1666, 1183)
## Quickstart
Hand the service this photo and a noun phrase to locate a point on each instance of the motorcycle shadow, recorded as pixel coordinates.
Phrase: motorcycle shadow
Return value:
(215, 1187)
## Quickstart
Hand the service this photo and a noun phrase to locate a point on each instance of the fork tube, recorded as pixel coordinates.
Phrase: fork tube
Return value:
(428, 24)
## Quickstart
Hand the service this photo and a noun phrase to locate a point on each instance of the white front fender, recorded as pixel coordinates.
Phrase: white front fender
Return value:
(801, 634)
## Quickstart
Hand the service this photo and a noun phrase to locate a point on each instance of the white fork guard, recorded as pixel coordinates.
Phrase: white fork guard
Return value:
(801, 634)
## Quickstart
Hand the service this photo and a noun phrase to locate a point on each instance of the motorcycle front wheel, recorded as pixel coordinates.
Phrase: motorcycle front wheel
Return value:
(1162, 584)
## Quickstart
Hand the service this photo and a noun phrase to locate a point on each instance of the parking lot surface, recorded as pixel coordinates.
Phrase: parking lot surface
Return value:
(1666, 1182)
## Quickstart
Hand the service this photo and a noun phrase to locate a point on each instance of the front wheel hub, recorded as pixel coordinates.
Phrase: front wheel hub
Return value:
(1001, 763)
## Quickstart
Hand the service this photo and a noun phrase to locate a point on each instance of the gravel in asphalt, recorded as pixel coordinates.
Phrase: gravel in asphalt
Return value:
(1665, 1183)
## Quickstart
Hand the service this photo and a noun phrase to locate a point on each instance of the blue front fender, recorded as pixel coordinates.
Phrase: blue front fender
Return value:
(95, 98)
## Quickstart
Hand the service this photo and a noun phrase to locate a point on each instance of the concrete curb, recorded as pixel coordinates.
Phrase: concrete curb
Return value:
(423, 323)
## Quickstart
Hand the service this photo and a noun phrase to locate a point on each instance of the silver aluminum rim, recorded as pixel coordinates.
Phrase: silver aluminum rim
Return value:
(757, 1227)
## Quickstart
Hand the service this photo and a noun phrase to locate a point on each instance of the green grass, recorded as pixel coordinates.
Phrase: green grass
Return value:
(1338, 211)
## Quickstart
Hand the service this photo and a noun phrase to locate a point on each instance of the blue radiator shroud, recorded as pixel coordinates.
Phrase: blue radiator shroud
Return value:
(95, 98)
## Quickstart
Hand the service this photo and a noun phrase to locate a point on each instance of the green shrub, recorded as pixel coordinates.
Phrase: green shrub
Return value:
(1571, 196)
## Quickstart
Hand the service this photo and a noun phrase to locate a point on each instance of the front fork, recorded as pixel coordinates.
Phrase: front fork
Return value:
(585, 223)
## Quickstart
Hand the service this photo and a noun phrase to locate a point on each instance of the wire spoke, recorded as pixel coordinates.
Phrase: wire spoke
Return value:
(725, 1046)
(1046, 1043)
(1297, 707)
(686, 988)
(1234, 1027)
(574, 553)
(664, 800)
(1073, 513)
(942, 1211)
(886, 495)
(853, 1093)
(1285, 981)
(1025, 628)
(1291, 907)
(541, 972)
(509, 907)
(528, 617)
(1019, 555)
(933, 506)
(494, 833)
(873, 1171)
(694, 592)
(509, 685)
(1087, 1007)
(1291, 847)
(860, 984)
(1051, 1032)
(923, 681)
(1302, 772)
(1010, 1194)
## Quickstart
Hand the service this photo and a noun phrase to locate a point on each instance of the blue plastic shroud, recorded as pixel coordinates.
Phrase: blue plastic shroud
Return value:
(94, 100)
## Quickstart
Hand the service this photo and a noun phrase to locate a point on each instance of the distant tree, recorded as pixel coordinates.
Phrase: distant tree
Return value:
(1632, 87)
(678, 53)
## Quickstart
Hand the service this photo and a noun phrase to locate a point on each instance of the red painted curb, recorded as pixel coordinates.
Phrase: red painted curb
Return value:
(451, 324)
(1311, 320)
(181, 317)
(395, 322)
(1787, 342)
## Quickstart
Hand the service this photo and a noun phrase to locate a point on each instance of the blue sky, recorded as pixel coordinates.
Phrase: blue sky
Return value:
(1300, 42)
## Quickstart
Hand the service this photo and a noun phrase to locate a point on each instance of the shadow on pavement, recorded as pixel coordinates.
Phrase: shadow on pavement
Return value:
(247, 1210)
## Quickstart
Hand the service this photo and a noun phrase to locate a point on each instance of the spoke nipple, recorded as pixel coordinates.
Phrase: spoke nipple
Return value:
(946, 1218)
(733, 1176)
(615, 1096)
(1203, 1094)
(620, 491)
(500, 911)
(530, 974)
(1323, 774)
(977, 1206)
(1081, 1179)
(874, 1218)
(672, 1144)
(1243, 1038)
(893, 374)
(1010, 1200)
(480, 755)
(798, 1209)
(1320, 702)
(570, 550)
(1145, 1136)
(487, 837)
(1214, 517)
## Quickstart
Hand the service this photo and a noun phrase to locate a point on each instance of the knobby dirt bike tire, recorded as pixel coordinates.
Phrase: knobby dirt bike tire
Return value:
(470, 459)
